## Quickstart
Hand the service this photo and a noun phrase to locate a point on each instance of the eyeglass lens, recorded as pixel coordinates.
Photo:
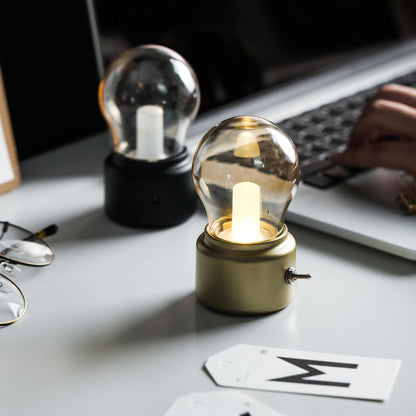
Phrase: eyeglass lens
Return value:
(22, 246)
(12, 302)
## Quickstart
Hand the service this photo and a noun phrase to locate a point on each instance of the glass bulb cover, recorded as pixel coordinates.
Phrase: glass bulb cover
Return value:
(246, 171)
(149, 96)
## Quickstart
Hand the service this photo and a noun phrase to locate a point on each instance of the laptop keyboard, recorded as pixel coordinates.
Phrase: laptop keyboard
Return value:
(324, 131)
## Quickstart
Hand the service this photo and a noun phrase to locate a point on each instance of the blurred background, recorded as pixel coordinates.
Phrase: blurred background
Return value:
(51, 72)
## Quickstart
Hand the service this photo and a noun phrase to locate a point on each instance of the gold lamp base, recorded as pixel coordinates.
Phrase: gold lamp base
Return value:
(246, 279)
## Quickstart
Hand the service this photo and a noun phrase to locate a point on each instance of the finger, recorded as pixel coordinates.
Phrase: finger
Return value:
(398, 93)
(385, 118)
(387, 154)
(394, 92)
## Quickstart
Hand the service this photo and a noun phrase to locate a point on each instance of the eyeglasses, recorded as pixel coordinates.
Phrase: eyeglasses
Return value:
(19, 247)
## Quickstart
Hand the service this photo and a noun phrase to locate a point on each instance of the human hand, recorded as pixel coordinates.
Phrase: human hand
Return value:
(385, 134)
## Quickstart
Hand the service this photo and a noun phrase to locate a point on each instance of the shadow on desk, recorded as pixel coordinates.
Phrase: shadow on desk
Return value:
(94, 224)
(184, 316)
(91, 225)
(351, 252)
(83, 158)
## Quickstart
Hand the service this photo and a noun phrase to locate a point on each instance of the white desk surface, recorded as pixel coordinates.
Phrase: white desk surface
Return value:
(113, 326)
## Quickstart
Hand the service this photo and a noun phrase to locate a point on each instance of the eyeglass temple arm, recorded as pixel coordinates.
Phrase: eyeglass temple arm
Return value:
(49, 230)
(45, 232)
(5, 228)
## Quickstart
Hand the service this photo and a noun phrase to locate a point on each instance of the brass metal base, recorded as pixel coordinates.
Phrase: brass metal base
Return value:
(245, 279)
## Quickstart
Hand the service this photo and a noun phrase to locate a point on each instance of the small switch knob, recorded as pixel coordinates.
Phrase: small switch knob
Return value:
(291, 275)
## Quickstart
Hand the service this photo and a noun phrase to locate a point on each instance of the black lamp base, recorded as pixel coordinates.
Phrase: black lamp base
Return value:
(149, 194)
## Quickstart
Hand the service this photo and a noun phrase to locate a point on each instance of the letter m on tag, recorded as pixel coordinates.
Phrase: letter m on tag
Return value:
(304, 378)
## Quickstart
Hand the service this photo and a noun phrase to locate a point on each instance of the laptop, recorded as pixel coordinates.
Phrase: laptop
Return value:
(309, 67)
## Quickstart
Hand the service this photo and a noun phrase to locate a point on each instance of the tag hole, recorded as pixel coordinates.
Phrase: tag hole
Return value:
(226, 363)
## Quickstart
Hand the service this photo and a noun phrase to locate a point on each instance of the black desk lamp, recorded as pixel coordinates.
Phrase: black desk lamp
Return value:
(149, 96)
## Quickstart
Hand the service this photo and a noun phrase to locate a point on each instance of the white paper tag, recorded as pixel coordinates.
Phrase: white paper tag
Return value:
(264, 368)
(216, 403)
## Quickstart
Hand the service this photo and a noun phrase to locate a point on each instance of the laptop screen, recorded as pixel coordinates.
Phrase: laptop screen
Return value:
(240, 47)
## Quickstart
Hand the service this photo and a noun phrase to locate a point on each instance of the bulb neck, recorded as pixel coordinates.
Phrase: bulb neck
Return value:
(216, 242)
(127, 162)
